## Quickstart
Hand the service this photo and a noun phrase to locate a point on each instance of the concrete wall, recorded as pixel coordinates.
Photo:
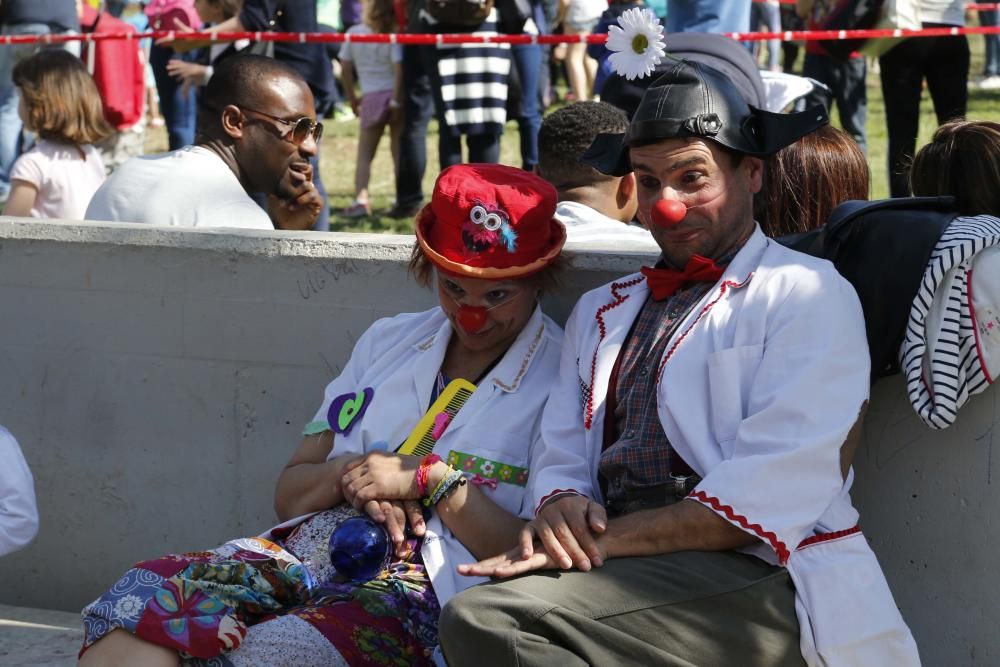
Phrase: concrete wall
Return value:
(158, 379)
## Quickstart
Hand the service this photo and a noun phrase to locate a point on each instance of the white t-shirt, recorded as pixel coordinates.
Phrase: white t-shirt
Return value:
(65, 180)
(947, 12)
(18, 512)
(588, 225)
(189, 187)
(373, 62)
(584, 11)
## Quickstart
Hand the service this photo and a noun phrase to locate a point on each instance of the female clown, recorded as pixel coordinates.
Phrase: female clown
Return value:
(488, 244)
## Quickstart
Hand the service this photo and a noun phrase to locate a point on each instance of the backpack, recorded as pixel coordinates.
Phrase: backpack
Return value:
(460, 13)
(882, 248)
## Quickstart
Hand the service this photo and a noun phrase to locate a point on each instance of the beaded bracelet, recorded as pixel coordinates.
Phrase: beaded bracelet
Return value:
(450, 479)
(424, 471)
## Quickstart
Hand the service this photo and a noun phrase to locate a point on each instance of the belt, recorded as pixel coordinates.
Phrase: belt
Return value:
(651, 497)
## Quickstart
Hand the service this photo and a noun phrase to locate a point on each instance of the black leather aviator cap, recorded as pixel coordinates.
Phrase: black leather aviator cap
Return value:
(692, 99)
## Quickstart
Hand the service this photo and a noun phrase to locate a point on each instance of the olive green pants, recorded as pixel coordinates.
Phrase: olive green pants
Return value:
(682, 609)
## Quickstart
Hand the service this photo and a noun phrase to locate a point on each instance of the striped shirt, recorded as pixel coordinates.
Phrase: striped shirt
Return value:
(474, 83)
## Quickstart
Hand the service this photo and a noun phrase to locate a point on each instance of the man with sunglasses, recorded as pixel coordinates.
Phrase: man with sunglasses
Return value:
(257, 133)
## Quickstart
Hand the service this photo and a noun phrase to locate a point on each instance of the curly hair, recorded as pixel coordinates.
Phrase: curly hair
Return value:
(567, 133)
(962, 160)
(61, 98)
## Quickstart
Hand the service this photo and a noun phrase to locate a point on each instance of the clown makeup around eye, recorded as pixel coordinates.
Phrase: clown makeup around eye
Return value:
(497, 295)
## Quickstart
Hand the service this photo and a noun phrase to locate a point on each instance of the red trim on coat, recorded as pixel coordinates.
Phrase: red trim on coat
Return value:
(549, 496)
(975, 327)
(708, 306)
(588, 410)
(779, 547)
(826, 537)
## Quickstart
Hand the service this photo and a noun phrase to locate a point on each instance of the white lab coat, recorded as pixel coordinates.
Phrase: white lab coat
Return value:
(757, 392)
(18, 513)
(399, 358)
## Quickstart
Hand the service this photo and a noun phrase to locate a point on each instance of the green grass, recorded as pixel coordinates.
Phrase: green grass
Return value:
(339, 149)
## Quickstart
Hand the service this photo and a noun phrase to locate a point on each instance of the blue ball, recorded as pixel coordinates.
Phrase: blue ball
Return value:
(359, 549)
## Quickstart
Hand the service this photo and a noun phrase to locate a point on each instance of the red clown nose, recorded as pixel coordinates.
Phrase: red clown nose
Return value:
(471, 318)
(668, 212)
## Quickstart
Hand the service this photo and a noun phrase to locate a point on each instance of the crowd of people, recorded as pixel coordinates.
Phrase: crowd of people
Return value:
(471, 90)
(668, 458)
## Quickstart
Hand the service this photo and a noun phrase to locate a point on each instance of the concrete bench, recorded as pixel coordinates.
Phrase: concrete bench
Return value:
(158, 379)
(38, 637)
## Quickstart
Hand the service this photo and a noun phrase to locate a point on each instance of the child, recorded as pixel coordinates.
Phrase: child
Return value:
(59, 103)
(379, 71)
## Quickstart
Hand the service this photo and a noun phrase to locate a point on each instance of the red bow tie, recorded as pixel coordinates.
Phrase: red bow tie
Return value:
(664, 282)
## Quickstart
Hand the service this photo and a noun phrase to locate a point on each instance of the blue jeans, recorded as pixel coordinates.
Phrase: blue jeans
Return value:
(179, 111)
(846, 79)
(10, 122)
(528, 61)
(767, 17)
(418, 105)
(992, 64)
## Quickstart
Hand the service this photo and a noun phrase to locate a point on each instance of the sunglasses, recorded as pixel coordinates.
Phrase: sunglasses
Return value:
(301, 128)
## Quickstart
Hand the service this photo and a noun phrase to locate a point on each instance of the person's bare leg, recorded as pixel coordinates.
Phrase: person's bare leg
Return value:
(119, 648)
(590, 67)
(576, 71)
(367, 145)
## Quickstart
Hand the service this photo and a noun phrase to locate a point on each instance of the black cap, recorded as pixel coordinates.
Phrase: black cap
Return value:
(692, 99)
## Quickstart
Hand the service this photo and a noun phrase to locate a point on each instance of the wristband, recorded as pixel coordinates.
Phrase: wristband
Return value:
(450, 479)
(423, 471)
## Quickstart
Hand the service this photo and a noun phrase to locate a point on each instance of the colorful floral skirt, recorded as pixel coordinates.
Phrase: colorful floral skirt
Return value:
(258, 602)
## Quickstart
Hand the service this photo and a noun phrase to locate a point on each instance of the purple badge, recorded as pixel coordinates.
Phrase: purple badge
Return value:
(347, 409)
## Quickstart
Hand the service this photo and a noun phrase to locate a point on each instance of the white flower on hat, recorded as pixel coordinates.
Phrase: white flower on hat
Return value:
(637, 45)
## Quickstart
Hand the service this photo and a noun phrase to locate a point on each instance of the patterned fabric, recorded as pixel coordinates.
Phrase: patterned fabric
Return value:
(940, 380)
(641, 456)
(237, 605)
(487, 468)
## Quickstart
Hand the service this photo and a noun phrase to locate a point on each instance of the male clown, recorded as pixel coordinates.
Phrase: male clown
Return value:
(690, 488)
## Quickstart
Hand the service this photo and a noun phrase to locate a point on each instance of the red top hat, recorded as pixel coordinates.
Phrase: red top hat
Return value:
(490, 221)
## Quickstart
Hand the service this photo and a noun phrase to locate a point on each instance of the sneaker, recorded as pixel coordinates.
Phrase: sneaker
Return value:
(357, 210)
(343, 114)
(990, 83)
(403, 211)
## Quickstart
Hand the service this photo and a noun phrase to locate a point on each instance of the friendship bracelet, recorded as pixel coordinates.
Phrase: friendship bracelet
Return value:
(424, 471)
(450, 479)
(437, 489)
(451, 489)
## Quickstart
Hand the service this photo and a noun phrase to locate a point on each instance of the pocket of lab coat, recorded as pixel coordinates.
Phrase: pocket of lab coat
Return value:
(501, 456)
(730, 376)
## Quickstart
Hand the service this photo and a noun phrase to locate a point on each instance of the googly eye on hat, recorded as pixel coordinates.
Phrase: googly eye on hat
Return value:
(490, 221)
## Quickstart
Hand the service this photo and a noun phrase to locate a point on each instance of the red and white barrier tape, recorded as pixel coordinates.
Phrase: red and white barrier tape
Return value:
(466, 38)
(972, 6)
